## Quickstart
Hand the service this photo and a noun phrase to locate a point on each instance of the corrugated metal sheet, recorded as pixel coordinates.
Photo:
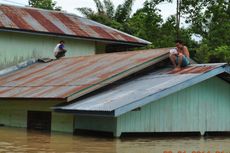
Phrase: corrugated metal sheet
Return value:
(202, 107)
(139, 88)
(38, 20)
(72, 77)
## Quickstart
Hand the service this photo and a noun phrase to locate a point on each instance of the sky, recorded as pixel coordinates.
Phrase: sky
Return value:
(71, 5)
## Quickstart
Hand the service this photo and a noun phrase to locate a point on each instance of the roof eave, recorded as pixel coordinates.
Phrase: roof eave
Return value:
(135, 44)
(86, 113)
(43, 99)
(227, 69)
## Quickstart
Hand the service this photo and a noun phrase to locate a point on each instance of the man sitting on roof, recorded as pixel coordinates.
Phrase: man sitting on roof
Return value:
(179, 56)
(59, 50)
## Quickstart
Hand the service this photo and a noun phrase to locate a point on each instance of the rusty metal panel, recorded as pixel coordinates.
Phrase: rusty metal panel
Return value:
(195, 69)
(38, 20)
(132, 91)
(75, 76)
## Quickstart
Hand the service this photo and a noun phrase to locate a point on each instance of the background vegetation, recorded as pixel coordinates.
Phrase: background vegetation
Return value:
(207, 19)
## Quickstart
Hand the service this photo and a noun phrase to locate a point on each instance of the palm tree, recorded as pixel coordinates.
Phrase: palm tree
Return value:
(107, 12)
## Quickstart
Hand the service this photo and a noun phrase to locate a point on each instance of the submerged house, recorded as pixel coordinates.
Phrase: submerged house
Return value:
(27, 33)
(122, 92)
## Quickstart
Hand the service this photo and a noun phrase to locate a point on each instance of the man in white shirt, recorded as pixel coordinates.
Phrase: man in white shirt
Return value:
(59, 50)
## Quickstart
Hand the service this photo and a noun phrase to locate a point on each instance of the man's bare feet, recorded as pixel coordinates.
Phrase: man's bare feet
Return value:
(176, 69)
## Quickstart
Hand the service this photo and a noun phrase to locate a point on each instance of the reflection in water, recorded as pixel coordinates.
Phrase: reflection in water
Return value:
(19, 140)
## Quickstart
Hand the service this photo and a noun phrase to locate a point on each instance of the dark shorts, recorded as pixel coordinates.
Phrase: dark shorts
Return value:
(60, 54)
(185, 61)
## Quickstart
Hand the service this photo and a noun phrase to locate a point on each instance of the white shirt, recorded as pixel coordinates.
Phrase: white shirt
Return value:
(173, 51)
(56, 49)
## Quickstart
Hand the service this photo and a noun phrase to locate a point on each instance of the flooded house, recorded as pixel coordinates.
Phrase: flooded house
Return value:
(123, 92)
(27, 33)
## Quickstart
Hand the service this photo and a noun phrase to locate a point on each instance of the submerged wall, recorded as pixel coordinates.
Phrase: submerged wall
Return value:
(199, 108)
(13, 113)
(95, 123)
(18, 47)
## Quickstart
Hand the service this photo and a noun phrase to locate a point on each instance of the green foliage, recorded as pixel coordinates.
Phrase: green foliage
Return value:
(44, 4)
(147, 23)
(204, 15)
(123, 11)
(107, 15)
(100, 7)
(88, 12)
(202, 54)
(145, 19)
(205, 54)
(168, 33)
(221, 54)
(109, 7)
(209, 19)
(194, 11)
(219, 33)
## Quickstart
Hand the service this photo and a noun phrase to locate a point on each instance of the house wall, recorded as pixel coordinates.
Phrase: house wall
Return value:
(201, 107)
(18, 47)
(100, 47)
(13, 113)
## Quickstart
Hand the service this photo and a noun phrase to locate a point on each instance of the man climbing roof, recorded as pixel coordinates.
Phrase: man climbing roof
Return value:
(59, 50)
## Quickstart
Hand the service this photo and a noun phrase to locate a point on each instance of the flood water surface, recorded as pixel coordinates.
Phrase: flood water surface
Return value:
(20, 141)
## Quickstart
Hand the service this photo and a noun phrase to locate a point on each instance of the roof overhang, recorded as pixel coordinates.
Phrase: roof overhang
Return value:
(227, 69)
(86, 113)
(107, 41)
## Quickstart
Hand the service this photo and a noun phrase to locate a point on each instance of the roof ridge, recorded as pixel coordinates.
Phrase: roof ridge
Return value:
(210, 64)
(120, 52)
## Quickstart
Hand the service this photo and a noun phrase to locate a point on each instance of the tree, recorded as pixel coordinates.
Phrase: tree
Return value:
(44, 4)
(123, 11)
(108, 15)
(210, 19)
(146, 22)
(202, 14)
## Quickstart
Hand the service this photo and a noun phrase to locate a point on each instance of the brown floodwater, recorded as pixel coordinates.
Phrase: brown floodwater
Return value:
(20, 141)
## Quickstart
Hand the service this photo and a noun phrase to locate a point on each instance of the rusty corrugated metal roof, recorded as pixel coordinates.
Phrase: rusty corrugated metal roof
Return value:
(69, 78)
(142, 90)
(195, 69)
(54, 22)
